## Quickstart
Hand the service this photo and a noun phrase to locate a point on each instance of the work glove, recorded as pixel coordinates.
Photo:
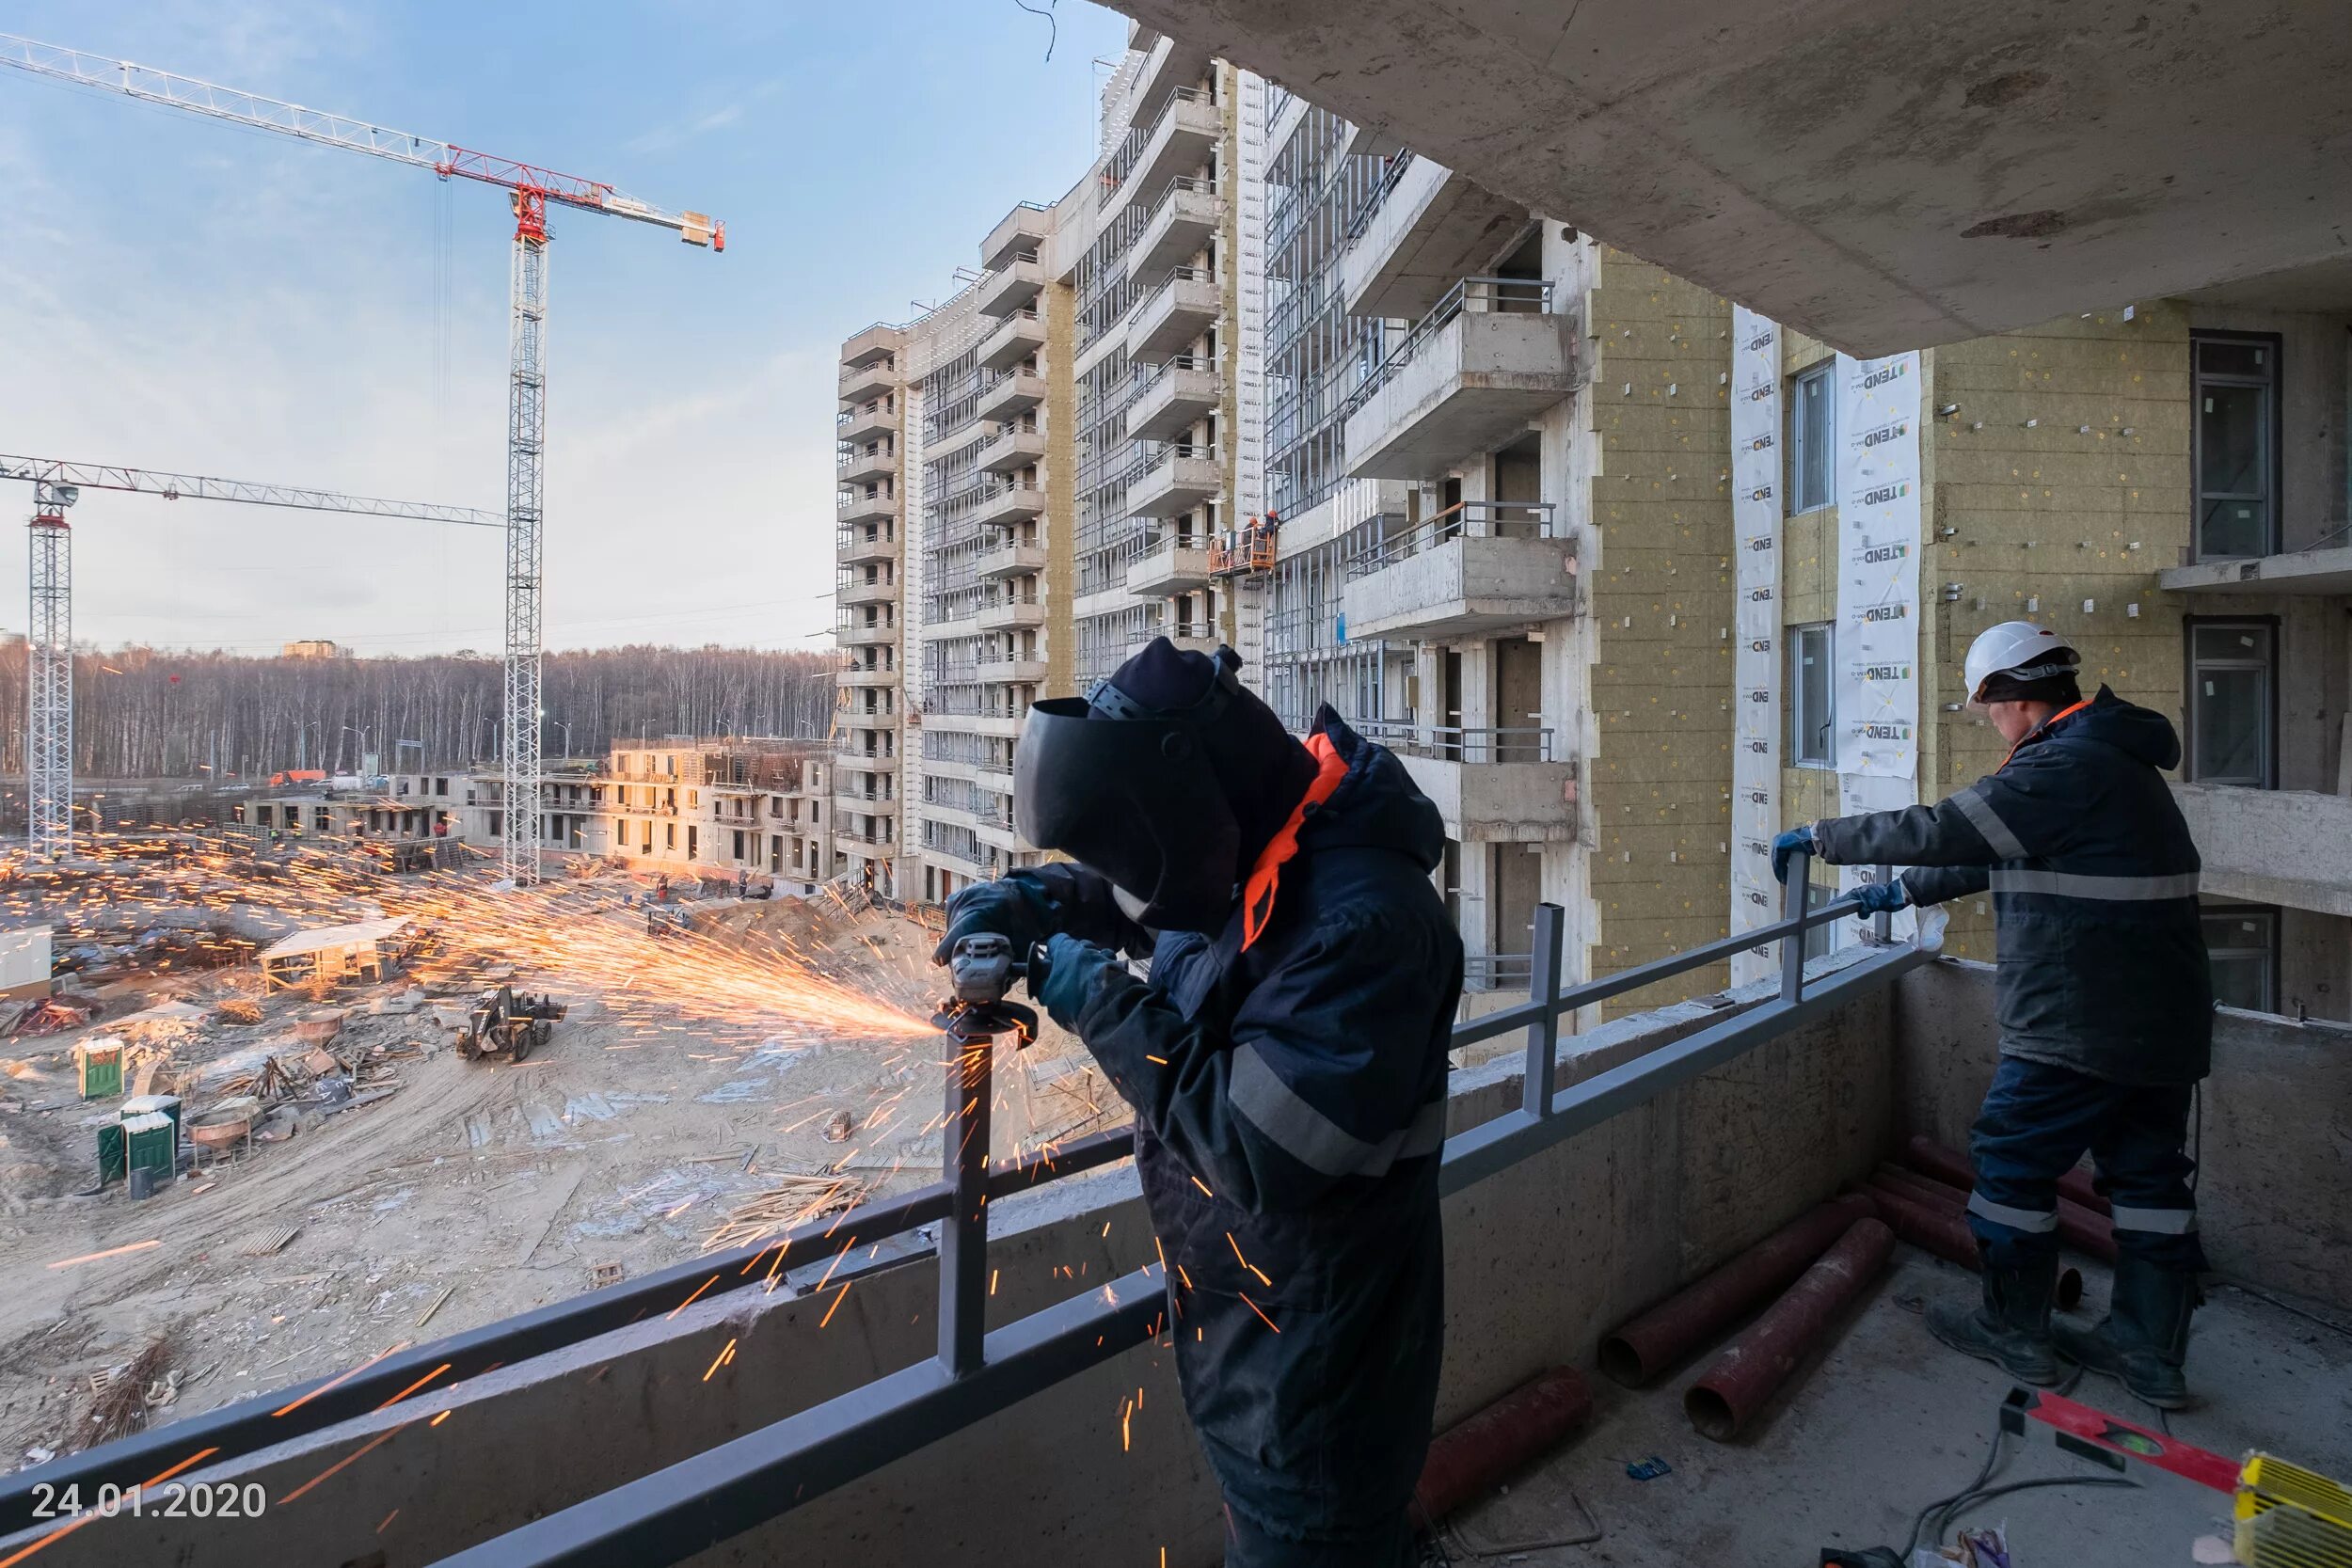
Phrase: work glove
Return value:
(1787, 844)
(1013, 907)
(1070, 966)
(1881, 897)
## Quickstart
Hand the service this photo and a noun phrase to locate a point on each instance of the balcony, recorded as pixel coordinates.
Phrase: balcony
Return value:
(870, 464)
(1186, 638)
(1021, 232)
(1011, 561)
(2287, 847)
(1433, 226)
(880, 592)
(1018, 337)
(1181, 142)
(1666, 1133)
(1013, 449)
(879, 720)
(1009, 394)
(1013, 672)
(880, 341)
(1182, 391)
(1181, 226)
(859, 507)
(2321, 572)
(1491, 785)
(1008, 504)
(1170, 67)
(858, 548)
(868, 422)
(1174, 567)
(1178, 312)
(1474, 568)
(857, 676)
(1469, 378)
(1174, 481)
(865, 382)
(881, 634)
(1012, 287)
(1012, 614)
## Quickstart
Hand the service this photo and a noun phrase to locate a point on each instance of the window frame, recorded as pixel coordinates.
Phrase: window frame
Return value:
(1793, 433)
(2276, 386)
(2190, 695)
(2273, 949)
(1793, 688)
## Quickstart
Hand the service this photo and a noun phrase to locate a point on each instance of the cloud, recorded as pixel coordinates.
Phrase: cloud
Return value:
(669, 138)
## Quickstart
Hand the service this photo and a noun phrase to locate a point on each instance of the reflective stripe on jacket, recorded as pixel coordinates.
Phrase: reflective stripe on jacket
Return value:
(2093, 878)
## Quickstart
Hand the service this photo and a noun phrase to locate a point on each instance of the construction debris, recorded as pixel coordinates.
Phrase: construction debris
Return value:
(796, 1200)
(268, 1243)
(121, 1404)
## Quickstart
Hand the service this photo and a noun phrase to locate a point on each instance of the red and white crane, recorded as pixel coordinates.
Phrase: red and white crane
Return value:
(49, 672)
(530, 190)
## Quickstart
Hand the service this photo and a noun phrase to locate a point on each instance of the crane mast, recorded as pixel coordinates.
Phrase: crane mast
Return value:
(531, 188)
(48, 673)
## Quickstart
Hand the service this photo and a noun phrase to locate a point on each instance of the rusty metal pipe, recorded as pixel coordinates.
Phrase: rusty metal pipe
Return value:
(1926, 1188)
(1943, 1230)
(1473, 1456)
(1753, 1366)
(1648, 1344)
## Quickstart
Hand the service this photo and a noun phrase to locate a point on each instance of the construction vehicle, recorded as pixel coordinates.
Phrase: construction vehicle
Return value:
(508, 1022)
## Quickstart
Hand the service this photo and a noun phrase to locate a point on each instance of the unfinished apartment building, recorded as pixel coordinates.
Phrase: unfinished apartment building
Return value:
(870, 624)
(749, 808)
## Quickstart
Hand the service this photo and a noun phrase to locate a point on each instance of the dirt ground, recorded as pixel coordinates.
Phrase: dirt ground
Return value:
(476, 1188)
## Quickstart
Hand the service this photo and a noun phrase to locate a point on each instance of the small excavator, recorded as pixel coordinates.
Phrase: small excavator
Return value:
(508, 1022)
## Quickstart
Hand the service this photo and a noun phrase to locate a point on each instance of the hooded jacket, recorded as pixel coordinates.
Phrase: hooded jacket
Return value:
(1290, 1109)
(2093, 876)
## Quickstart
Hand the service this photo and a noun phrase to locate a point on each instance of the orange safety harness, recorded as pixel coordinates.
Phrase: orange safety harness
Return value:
(1266, 876)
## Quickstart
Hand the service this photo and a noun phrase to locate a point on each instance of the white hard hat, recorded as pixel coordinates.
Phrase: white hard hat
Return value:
(2020, 650)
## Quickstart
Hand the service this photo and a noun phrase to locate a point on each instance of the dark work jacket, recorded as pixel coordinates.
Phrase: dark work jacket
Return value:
(2094, 879)
(1290, 1109)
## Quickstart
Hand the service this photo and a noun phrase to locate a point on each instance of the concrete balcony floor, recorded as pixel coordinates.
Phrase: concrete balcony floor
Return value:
(1885, 1420)
(1463, 586)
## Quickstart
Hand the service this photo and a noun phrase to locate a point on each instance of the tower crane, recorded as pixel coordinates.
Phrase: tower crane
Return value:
(48, 673)
(529, 189)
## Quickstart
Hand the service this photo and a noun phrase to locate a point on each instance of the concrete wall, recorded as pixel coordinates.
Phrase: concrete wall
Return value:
(1102, 1468)
(2276, 1138)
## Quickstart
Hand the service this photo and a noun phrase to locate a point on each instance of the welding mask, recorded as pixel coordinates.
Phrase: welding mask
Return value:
(1164, 799)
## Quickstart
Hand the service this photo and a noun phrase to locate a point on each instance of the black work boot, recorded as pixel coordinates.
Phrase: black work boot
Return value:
(2144, 1338)
(2013, 1328)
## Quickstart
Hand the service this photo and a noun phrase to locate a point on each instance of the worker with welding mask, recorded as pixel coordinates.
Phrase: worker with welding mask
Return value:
(1286, 1060)
(2104, 1003)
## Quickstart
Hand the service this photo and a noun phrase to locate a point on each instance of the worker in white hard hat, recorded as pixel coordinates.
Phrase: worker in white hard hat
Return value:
(2105, 1004)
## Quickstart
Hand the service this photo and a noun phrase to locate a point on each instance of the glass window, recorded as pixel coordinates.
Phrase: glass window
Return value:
(2232, 674)
(2235, 410)
(1812, 468)
(2243, 946)
(1812, 698)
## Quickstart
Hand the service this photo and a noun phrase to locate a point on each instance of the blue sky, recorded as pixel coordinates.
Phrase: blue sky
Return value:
(182, 295)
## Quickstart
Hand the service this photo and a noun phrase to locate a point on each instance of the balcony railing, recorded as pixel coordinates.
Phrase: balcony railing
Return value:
(1498, 971)
(1462, 520)
(1452, 743)
(687, 1507)
(1509, 295)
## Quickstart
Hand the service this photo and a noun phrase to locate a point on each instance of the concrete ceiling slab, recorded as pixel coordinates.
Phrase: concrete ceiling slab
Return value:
(1884, 174)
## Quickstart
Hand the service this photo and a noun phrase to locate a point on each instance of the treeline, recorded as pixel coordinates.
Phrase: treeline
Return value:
(159, 713)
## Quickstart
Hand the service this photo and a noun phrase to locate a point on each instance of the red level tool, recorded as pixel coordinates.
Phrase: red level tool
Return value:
(2111, 1441)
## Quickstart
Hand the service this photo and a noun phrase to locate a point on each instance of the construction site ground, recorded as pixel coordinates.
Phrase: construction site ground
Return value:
(647, 1129)
(1884, 1421)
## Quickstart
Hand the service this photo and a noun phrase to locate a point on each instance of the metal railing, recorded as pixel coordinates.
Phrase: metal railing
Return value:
(1452, 743)
(1498, 971)
(684, 1507)
(1471, 296)
(1462, 520)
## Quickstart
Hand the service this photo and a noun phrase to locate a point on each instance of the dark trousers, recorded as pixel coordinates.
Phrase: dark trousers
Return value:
(2037, 1123)
(1387, 1544)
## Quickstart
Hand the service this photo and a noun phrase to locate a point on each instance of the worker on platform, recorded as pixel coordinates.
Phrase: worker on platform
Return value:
(1286, 1060)
(2104, 999)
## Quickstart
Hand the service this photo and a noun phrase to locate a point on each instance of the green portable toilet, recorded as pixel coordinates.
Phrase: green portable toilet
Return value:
(160, 1104)
(111, 1167)
(100, 1063)
(150, 1143)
